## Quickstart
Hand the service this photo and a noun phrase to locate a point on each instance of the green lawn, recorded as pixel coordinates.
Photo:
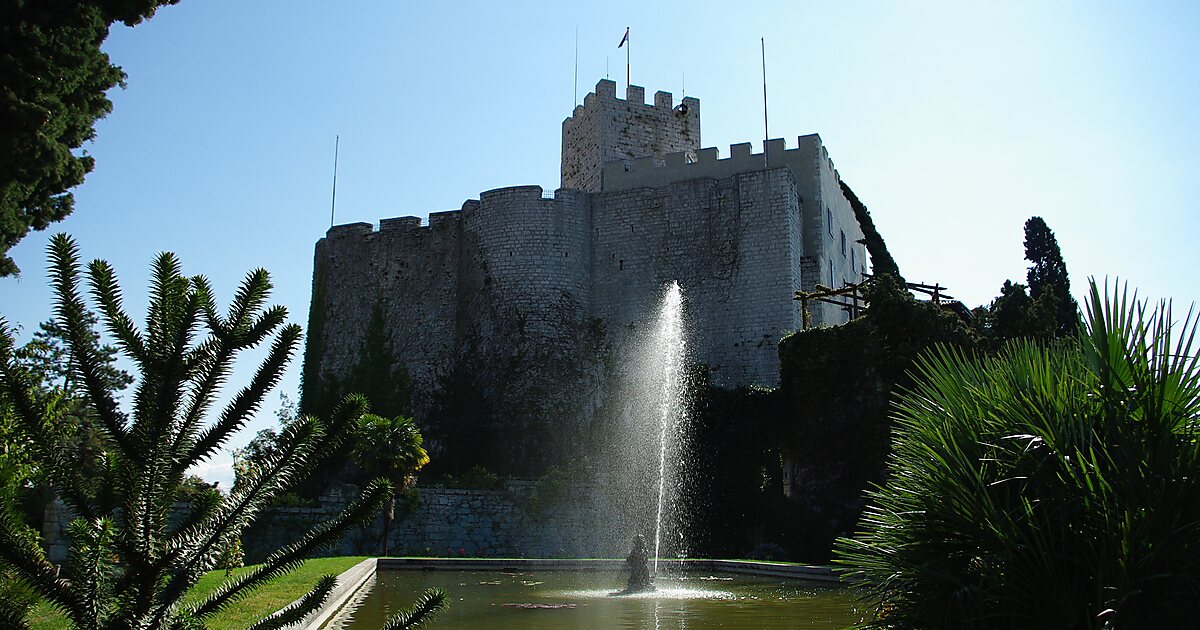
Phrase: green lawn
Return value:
(269, 598)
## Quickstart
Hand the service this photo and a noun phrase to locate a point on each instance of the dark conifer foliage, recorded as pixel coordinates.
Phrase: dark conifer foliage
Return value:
(881, 258)
(1048, 276)
(55, 79)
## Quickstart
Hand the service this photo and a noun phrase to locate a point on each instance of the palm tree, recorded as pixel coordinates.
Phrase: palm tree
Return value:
(391, 448)
(131, 564)
(1049, 487)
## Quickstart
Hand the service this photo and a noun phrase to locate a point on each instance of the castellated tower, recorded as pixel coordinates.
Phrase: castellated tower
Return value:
(507, 322)
(606, 129)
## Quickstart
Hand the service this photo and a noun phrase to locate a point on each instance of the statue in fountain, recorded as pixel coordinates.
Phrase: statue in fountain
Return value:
(639, 568)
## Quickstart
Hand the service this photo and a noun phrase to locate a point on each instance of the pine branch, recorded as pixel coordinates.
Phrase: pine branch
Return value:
(342, 425)
(73, 316)
(91, 566)
(167, 287)
(250, 297)
(14, 615)
(345, 417)
(156, 430)
(201, 285)
(300, 609)
(427, 606)
(289, 557)
(194, 551)
(208, 365)
(249, 398)
(107, 293)
(24, 555)
(211, 363)
(159, 429)
(258, 330)
(35, 416)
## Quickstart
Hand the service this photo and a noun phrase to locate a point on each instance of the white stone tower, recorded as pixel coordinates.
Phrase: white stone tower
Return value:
(606, 129)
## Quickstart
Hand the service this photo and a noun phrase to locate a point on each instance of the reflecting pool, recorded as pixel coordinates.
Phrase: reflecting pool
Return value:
(564, 600)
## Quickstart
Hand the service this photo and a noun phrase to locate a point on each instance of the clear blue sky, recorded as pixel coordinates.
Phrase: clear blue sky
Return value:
(953, 121)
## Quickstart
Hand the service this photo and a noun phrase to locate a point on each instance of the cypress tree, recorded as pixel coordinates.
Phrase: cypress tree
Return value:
(1048, 276)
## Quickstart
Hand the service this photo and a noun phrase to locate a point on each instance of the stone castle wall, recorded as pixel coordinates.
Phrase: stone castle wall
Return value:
(729, 242)
(445, 522)
(607, 129)
(823, 211)
(536, 298)
(448, 522)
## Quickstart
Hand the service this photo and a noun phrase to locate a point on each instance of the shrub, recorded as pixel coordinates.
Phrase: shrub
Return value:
(1048, 487)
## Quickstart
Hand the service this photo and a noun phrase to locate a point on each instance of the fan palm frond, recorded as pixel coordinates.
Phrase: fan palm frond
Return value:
(1050, 486)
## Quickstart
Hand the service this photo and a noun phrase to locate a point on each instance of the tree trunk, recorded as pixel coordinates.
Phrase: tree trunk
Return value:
(388, 515)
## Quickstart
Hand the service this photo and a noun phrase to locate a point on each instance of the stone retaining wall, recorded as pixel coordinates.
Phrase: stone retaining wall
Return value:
(448, 522)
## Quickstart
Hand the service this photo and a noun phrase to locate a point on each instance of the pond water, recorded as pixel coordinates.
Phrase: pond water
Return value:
(565, 600)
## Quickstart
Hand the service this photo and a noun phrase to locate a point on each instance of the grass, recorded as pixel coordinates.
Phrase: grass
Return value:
(267, 599)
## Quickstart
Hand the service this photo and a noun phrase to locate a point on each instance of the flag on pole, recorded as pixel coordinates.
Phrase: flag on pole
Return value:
(625, 38)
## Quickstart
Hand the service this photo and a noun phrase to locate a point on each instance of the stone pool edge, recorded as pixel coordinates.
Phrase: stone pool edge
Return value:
(749, 567)
(348, 583)
(351, 580)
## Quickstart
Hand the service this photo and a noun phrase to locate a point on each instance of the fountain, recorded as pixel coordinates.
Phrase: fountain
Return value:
(670, 343)
(643, 455)
(641, 445)
(639, 569)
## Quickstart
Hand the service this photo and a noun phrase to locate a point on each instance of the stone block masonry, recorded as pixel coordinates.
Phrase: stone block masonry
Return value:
(606, 129)
(448, 522)
(522, 304)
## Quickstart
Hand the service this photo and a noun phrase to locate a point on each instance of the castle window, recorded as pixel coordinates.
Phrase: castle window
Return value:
(829, 220)
(853, 260)
(844, 245)
(621, 264)
(832, 274)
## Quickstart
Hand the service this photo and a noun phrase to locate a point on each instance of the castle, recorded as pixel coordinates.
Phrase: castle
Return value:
(505, 319)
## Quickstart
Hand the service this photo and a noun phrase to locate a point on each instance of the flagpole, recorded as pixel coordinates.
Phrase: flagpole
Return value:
(333, 202)
(576, 66)
(766, 129)
(628, 45)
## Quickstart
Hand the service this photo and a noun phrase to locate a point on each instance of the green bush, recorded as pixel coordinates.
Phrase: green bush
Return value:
(556, 488)
(1047, 487)
(476, 478)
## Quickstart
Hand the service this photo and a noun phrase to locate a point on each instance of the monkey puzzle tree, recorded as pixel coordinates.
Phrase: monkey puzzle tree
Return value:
(130, 563)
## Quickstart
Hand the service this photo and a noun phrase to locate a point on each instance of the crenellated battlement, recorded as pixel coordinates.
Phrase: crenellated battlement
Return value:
(635, 95)
(508, 197)
(537, 292)
(608, 129)
(649, 172)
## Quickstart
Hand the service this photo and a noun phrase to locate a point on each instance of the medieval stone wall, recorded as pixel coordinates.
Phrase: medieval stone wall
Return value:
(449, 522)
(728, 244)
(412, 273)
(511, 314)
(445, 522)
(606, 129)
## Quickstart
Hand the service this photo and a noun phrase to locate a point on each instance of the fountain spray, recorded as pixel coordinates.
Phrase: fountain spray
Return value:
(672, 349)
